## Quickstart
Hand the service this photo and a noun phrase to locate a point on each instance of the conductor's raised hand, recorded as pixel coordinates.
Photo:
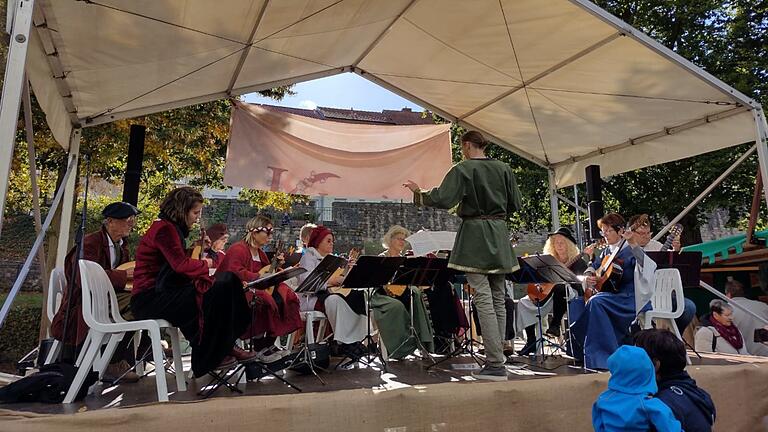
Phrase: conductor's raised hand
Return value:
(410, 184)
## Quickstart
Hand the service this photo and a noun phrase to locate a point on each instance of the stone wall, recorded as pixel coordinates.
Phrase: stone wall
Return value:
(9, 269)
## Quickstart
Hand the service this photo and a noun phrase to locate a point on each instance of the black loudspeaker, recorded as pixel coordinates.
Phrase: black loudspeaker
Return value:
(133, 166)
(595, 208)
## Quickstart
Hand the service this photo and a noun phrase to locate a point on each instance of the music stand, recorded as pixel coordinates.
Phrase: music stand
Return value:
(315, 280)
(418, 271)
(540, 269)
(369, 273)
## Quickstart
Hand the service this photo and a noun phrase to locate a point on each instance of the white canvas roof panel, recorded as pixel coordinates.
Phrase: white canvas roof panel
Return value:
(560, 82)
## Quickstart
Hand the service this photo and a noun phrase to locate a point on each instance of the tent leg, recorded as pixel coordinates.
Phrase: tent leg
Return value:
(761, 139)
(68, 200)
(11, 98)
(553, 201)
(578, 216)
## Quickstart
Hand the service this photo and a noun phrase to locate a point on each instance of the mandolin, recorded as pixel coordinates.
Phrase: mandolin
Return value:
(354, 254)
(126, 266)
(609, 274)
(274, 265)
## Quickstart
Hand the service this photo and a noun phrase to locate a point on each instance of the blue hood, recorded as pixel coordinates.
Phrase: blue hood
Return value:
(632, 371)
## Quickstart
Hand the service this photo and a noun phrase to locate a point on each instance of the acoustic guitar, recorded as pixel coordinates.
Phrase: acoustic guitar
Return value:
(674, 233)
(609, 275)
(539, 292)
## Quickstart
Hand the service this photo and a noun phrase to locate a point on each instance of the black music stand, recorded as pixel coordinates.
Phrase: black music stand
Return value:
(370, 273)
(540, 269)
(314, 281)
(418, 271)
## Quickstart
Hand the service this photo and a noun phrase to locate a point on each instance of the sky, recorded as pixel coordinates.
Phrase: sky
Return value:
(346, 90)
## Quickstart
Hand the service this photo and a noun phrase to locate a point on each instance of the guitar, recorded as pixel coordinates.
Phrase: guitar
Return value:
(674, 233)
(354, 254)
(539, 292)
(126, 266)
(609, 275)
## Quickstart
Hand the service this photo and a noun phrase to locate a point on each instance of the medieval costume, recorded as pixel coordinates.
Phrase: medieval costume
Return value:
(486, 193)
(599, 326)
(168, 285)
(272, 315)
(393, 319)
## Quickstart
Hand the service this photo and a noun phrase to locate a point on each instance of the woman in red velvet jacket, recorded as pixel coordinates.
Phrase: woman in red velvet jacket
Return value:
(169, 285)
(275, 314)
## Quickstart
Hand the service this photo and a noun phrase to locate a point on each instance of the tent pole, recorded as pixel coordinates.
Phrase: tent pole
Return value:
(706, 192)
(553, 201)
(568, 201)
(35, 203)
(11, 98)
(69, 199)
(579, 210)
(761, 140)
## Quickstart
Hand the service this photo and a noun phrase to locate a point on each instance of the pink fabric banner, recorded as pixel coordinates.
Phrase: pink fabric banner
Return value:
(273, 150)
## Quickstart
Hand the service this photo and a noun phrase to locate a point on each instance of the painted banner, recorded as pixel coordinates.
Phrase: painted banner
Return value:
(278, 151)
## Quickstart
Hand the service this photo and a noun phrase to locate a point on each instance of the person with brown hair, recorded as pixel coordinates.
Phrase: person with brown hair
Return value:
(600, 321)
(273, 314)
(486, 193)
(169, 285)
(218, 235)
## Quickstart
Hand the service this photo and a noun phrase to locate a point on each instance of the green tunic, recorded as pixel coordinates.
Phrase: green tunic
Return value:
(486, 193)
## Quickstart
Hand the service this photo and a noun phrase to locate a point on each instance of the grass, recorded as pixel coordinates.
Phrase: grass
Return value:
(25, 299)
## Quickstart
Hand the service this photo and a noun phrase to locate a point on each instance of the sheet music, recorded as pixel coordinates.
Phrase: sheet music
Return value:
(424, 242)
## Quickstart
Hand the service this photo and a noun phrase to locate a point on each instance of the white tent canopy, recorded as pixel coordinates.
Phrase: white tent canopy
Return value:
(559, 82)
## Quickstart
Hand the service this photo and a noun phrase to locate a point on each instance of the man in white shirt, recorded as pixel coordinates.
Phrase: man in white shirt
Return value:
(744, 321)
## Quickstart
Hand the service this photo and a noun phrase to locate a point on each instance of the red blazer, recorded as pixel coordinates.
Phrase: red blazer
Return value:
(160, 245)
(95, 248)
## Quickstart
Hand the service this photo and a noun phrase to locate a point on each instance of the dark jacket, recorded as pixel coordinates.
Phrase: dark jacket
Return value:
(96, 249)
(691, 405)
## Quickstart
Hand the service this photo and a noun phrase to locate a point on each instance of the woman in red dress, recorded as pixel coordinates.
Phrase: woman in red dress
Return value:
(169, 285)
(273, 315)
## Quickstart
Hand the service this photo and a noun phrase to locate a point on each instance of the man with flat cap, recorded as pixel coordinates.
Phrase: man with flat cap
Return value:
(108, 248)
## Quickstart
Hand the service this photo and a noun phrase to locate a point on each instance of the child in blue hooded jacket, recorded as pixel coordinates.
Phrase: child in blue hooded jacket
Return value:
(628, 404)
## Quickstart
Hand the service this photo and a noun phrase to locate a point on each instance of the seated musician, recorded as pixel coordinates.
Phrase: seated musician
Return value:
(211, 312)
(108, 248)
(562, 245)
(274, 314)
(645, 241)
(391, 309)
(600, 321)
(304, 234)
(346, 314)
(218, 236)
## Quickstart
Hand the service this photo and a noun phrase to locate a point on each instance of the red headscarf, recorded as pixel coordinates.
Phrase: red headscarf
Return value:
(318, 234)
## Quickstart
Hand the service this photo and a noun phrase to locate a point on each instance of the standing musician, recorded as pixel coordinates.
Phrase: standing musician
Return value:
(486, 193)
(562, 245)
(600, 321)
(108, 248)
(346, 314)
(391, 310)
(274, 314)
(169, 285)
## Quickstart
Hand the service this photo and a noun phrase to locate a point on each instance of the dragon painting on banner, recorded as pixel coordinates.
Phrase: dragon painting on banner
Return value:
(278, 151)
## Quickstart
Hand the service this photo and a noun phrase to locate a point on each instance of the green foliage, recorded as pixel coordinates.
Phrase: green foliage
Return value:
(20, 332)
(280, 201)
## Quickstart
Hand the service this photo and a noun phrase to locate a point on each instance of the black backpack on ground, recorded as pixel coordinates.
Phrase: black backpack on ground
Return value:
(49, 385)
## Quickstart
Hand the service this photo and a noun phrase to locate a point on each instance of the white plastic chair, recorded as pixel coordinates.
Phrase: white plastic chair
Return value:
(309, 318)
(56, 285)
(668, 283)
(101, 313)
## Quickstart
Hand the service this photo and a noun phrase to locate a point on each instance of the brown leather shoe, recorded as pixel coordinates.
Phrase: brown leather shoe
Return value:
(242, 355)
(226, 363)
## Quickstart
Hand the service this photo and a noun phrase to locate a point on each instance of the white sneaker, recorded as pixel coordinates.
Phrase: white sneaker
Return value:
(271, 354)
